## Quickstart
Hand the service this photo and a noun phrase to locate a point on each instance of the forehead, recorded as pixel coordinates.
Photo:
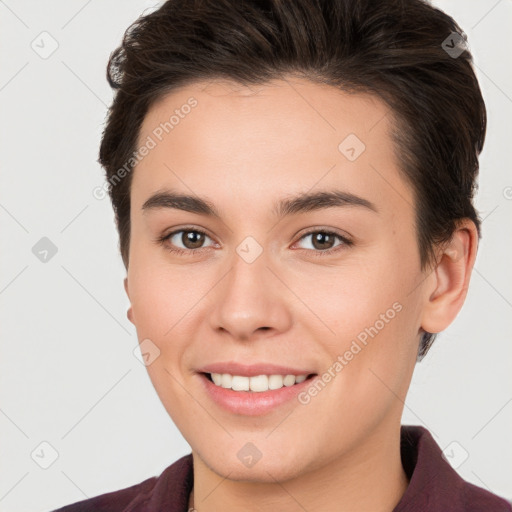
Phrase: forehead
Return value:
(241, 144)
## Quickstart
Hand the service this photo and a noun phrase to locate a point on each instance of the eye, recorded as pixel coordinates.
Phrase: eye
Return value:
(191, 239)
(322, 242)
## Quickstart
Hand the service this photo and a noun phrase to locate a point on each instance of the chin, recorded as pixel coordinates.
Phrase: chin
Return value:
(274, 467)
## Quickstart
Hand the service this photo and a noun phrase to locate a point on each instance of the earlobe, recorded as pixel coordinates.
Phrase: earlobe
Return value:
(129, 312)
(450, 278)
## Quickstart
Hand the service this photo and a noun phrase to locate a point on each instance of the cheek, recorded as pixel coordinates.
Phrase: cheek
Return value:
(158, 290)
(164, 303)
(369, 318)
(349, 299)
(170, 304)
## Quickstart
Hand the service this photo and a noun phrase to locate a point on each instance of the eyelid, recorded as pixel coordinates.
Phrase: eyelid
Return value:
(167, 236)
(345, 239)
(324, 229)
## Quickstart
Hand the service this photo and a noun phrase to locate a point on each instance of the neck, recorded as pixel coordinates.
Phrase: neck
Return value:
(370, 477)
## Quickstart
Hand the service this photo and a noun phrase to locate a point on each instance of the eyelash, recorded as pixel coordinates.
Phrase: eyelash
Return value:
(191, 252)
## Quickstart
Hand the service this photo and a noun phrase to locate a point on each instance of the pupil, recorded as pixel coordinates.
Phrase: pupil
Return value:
(194, 238)
(321, 237)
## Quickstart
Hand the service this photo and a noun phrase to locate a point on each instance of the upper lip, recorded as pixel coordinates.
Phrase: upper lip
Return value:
(252, 370)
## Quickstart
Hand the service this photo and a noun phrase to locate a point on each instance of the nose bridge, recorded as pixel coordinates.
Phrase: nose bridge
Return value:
(249, 297)
(249, 264)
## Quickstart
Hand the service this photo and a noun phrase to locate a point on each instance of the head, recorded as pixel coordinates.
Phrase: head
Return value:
(248, 107)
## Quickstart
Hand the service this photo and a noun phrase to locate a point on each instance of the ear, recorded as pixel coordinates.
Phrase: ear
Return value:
(129, 313)
(448, 283)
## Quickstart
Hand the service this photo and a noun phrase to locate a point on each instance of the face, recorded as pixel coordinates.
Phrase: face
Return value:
(328, 287)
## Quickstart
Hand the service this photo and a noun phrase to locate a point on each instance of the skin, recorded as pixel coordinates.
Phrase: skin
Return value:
(245, 148)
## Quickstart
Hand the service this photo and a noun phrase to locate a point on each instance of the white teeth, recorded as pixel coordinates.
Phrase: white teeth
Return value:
(240, 383)
(226, 380)
(217, 378)
(289, 380)
(257, 383)
(275, 382)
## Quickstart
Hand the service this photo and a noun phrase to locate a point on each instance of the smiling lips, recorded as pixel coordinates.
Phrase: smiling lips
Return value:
(252, 370)
(256, 377)
(252, 389)
(258, 383)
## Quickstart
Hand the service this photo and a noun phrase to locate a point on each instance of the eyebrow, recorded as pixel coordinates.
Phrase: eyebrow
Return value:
(301, 203)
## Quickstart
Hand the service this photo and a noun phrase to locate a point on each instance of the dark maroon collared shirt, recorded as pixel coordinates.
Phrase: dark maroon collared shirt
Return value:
(434, 486)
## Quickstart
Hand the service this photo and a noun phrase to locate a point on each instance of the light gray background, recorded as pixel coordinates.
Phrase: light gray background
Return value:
(68, 373)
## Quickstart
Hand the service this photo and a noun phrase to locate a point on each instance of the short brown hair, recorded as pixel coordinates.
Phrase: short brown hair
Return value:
(406, 52)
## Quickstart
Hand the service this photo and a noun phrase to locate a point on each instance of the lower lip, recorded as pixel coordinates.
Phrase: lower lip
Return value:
(252, 403)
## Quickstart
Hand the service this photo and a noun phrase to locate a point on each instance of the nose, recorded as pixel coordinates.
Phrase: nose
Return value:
(251, 300)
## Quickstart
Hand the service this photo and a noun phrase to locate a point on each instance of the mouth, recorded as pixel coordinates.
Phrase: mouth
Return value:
(257, 383)
(256, 395)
